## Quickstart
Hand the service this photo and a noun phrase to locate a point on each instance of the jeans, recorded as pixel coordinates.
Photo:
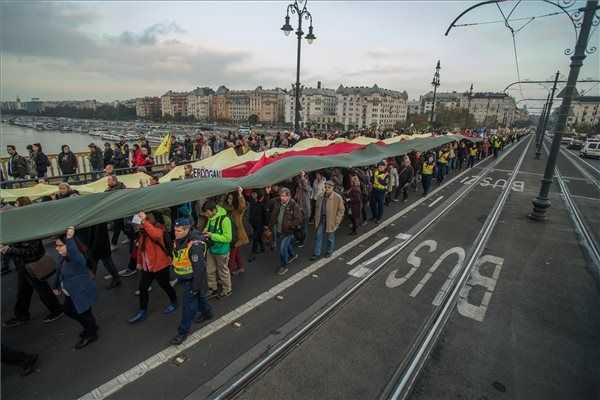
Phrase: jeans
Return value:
(378, 201)
(441, 171)
(471, 161)
(330, 237)
(86, 318)
(286, 248)
(162, 277)
(25, 288)
(192, 305)
(426, 181)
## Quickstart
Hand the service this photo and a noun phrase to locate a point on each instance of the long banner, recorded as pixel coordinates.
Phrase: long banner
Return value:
(254, 170)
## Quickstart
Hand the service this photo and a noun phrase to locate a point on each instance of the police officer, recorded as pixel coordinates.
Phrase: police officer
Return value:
(427, 173)
(189, 263)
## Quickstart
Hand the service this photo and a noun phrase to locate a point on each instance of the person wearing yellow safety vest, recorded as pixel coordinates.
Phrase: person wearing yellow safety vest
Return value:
(472, 155)
(189, 264)
(380, 183)
(496, 143)
(443, 157)
(427, 173)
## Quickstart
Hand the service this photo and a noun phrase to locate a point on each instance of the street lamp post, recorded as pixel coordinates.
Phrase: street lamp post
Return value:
(538, 130)
(541, 202)
(298, 7)
(538, 150)
(468, 106)
(435, 83)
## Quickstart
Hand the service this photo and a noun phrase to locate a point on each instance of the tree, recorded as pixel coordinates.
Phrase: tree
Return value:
(253, 119)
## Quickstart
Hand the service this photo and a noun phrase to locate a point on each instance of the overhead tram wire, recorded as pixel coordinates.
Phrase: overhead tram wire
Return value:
(502, 21)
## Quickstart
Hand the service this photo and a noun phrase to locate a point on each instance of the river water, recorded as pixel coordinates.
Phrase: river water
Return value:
(51, 141)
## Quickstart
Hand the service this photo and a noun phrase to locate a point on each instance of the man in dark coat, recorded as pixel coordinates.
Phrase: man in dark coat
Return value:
(17, 164)
(108, 154)
(97, 242)
(23, 253)
(96, 159)
(67, 161)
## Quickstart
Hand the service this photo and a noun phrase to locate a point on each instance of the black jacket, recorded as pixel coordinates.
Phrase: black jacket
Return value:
(258, 215)
(197, 255)
(96, 239)
(96, 160)
(108, 156)
(67, 162)
(17, 166)
(41, 163)
(26, 252)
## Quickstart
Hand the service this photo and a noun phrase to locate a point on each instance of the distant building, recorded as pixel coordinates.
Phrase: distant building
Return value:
(491, 107)
(414, 107)
(35, 105)
(219, 107)
(148, 107)
(239, 105)
(174, 104)
(317, 107)
(370, 107)
(585, 110)
(268, 105)
(448, 100)
(199, 102)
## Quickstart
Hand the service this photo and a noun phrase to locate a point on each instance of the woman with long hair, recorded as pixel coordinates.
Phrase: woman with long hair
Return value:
(235, 204)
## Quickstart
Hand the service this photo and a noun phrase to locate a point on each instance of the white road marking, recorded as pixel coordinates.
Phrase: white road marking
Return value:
(403, 236)
(518, 186)
(583, 161)
(433, 203)
(392, 281)
(367, 251)
(459, 251)
(477, 312)
(136, 372)
(359, 272)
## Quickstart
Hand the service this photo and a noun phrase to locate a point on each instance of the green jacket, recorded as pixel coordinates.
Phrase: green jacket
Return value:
(221, 235)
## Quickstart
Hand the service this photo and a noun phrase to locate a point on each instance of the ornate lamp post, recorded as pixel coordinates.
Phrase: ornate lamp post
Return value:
(298, 7)
(435, 83)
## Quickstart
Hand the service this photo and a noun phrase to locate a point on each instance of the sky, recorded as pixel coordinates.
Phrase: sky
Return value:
(120, 50)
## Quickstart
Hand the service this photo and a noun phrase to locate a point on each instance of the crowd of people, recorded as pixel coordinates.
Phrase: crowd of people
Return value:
(198, 245)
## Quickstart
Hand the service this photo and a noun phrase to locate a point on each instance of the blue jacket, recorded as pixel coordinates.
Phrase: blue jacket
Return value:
(73, 274)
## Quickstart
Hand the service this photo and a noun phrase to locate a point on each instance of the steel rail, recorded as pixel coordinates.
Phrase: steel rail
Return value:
(246, 377)
(404, 378)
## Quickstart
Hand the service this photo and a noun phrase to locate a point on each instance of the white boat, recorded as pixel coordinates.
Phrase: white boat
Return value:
(111, 137)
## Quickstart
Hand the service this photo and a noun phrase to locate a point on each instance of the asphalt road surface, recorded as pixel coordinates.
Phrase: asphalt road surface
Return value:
(537, 336)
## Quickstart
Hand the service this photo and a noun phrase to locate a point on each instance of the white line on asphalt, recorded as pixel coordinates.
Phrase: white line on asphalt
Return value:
(367, 251)
(403, 236)
(583, 197)
(131, 375)
(433, 203)
(575, 161)
(359, 272)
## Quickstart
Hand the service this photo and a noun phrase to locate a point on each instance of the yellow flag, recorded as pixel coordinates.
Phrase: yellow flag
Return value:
(165, 146)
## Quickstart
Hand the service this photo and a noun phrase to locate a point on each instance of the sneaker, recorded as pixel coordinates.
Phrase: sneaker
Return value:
(294, 257)
(15, 322)
(313, 258)
(113, 247)
(29, 364)
(53, 317)
(203, 318)
(212, 294)
(251, 258)
(137, 292)
(170, 308)
(124, 241)
(107, 277)
(115, 283)
(84, 341)
(223, 294)
(173, 282)
(177, 340)
(138, 317)
(300, 245)
(327, 255)
(126, 272)
(282, 271)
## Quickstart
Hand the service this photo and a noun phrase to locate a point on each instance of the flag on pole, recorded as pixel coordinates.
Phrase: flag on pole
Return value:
(165, 146)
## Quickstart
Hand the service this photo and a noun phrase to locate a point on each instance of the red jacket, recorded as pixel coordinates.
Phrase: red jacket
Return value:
(151, 245)
(138, 158)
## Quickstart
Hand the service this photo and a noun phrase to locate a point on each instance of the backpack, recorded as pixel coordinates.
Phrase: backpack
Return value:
(219, 228)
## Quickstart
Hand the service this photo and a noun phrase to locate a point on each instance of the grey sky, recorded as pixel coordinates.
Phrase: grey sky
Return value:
(119, 50)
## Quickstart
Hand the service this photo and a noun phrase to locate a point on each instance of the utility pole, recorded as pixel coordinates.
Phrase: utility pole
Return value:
(541, 203)
(538, 150)
(468, 106)
(435, 82)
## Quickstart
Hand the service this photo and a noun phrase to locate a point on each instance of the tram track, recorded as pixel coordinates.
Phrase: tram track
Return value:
(588, 241)
(435, 321)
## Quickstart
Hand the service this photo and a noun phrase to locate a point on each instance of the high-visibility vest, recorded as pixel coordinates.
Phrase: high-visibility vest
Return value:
(427, 169)
(181, 260)
(376, 184)
(472, 151)
(443, 158)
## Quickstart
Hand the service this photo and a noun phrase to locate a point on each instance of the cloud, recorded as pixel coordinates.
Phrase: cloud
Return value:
(50, 39)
